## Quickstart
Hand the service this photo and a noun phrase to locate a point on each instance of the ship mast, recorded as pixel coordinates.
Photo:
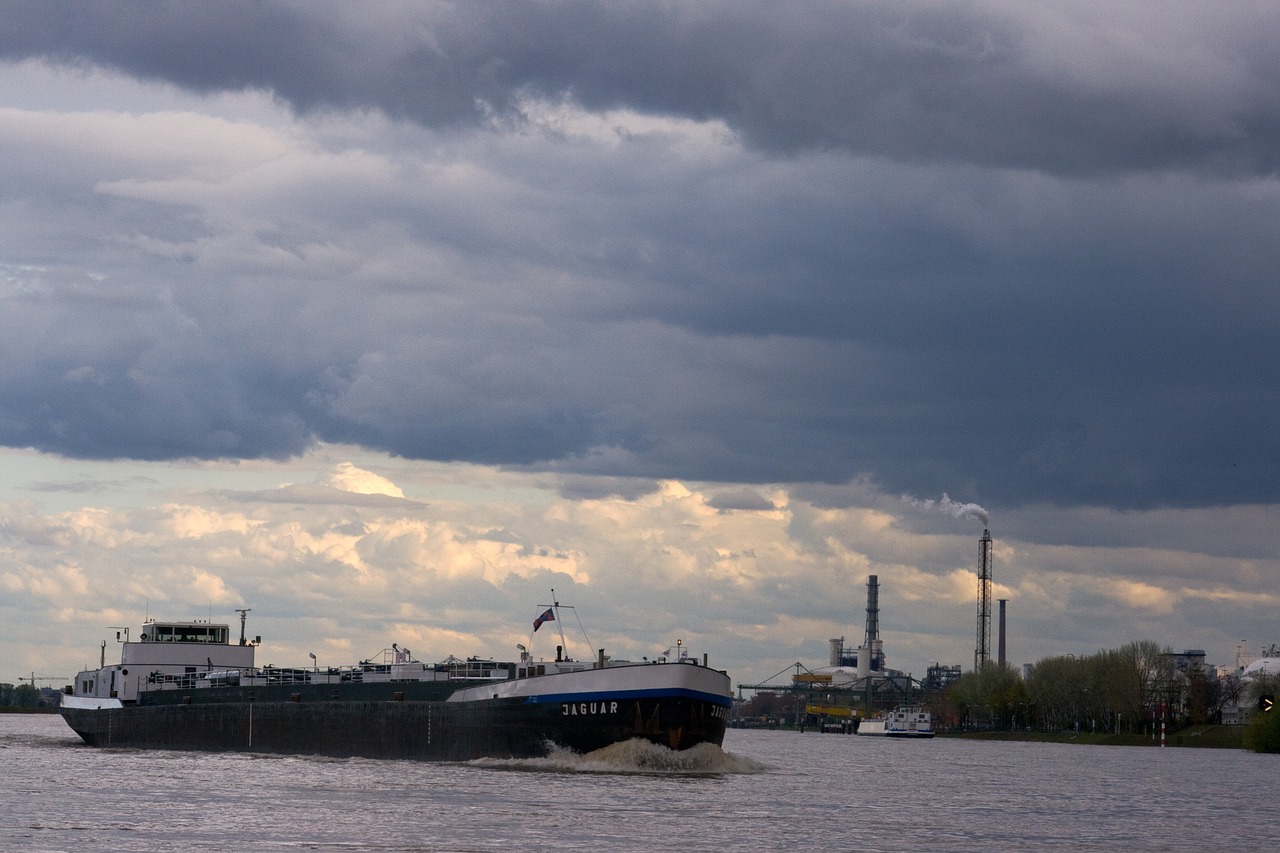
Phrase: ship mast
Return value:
(243, 613)
(555, 605)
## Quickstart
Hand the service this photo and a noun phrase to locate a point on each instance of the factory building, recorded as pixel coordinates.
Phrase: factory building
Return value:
(856, 680)
(862, 668)
(938, 677)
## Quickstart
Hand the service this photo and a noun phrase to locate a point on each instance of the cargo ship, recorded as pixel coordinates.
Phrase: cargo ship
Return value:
(187, 686)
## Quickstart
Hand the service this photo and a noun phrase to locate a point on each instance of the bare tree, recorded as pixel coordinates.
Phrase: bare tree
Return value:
(1148, 677)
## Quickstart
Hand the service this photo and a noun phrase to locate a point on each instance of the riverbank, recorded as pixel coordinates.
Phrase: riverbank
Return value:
(17, 709)
(1211, 737)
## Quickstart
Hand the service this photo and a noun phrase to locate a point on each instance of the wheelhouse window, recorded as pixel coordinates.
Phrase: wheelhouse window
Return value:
(188, 634)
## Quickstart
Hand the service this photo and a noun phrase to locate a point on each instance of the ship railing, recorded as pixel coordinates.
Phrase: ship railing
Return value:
(272, 675)
(190, 680)
(337, 675)
(325, 675)
(173, 681)
(474, 669)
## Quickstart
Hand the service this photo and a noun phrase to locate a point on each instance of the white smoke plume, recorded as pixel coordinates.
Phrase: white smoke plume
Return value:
(951, 508)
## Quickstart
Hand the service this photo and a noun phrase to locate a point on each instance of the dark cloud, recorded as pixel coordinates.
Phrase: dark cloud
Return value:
(1012, 253)
(741, 499)
(318, 494)
(88, 486)
(1067, 88)
(578, 487)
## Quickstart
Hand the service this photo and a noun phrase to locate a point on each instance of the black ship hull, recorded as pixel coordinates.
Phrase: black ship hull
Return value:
(403, 721)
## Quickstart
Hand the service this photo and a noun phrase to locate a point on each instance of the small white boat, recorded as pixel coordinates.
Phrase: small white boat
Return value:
(901, 722)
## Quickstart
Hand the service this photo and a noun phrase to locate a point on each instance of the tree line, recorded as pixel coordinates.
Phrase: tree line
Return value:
(22, 696)
(1131, 689)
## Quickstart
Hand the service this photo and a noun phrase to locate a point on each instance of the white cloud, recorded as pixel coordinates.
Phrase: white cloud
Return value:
(352, 479)
(668, 297)
(707, 143)
(458, 564)
(1140, 596)
(213, 589)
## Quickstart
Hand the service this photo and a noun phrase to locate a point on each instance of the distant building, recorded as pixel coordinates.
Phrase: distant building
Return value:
(1261, 666)
(1186, 661)
(1240, 708)
(1234, 715)
(939, 677)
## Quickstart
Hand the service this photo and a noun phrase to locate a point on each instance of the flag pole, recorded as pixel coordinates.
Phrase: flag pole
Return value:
(555, 605)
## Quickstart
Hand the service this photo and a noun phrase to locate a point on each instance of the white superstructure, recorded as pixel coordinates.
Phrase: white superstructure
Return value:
(163, 649)
(901, 722)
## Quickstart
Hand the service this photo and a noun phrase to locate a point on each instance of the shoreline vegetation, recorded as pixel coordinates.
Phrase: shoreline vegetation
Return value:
(15, 709)
(1207, 736)
(1119, 696)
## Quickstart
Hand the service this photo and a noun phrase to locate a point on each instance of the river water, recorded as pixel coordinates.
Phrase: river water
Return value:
(764, 791)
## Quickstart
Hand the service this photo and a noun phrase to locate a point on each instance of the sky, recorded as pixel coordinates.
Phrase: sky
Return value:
(385, 320)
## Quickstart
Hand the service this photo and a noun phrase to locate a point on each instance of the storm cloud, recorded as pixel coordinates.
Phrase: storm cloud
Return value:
(1060, 87)
(1025, 253)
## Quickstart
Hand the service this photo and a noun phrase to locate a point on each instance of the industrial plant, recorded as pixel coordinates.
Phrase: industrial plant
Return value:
(1137, 692)
(856, 682)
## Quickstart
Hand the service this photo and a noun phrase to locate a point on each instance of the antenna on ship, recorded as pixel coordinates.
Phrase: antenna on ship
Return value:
(243, 613)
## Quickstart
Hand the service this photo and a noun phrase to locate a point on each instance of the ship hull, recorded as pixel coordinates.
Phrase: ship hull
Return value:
(513, 719)
(895, 734)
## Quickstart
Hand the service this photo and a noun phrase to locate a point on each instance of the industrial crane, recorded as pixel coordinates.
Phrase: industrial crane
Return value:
(33, 678)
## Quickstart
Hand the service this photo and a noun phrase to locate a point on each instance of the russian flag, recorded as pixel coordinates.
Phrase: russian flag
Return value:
(548, 616)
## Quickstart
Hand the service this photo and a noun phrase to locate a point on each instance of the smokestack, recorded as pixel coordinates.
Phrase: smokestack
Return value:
(1000, 647)
(872, 641)
(982, 654)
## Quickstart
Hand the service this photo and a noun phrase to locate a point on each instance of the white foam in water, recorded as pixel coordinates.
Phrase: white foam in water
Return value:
(635, 756)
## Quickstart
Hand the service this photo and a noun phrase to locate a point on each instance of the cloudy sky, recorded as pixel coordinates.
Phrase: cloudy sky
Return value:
(386, 319)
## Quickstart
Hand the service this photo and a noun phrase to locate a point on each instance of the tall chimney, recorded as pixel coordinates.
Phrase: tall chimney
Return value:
(1000, 653)
(982, 654)
(872, 641)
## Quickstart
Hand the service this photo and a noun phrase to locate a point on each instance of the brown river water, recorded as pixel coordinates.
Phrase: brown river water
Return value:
(764, 791)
